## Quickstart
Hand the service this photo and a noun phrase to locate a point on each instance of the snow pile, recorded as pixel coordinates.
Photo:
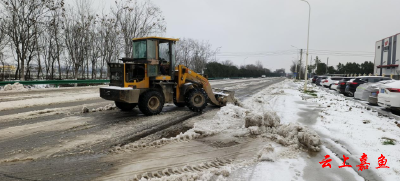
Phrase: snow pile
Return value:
(14, 87)
(266, 154)
(105, 108)
(297, 135)
(248, 119)
(218, 174)
(229, 117)
(271, 119)
(286, 134)
(85, 109)
(188, 135)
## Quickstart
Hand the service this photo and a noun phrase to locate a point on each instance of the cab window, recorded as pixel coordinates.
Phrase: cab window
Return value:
(139, 49)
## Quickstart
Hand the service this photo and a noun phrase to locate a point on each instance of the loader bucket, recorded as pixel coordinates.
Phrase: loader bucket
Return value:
(224, 96)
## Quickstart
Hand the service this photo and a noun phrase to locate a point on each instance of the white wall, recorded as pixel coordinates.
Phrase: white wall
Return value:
(378, 53)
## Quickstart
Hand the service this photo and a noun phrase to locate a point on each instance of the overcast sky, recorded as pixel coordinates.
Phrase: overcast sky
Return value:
(251, 30)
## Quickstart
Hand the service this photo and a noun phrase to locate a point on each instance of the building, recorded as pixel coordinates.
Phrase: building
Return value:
(387, 55)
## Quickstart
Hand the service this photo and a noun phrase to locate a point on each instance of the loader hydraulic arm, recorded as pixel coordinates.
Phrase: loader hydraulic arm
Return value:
(185, 75)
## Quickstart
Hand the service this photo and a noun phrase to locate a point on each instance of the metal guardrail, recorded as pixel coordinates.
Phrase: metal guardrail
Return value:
(219, 78)
(56, 82)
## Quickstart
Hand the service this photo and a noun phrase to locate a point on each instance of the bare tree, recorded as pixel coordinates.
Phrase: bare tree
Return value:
(194, 54)
(259, 65)
(3, 44)
(3, 36)
(77, 30)
(227, 63)
(54, 30)
(184, 50)
(21, 17)
(109, 45)
(138, 20)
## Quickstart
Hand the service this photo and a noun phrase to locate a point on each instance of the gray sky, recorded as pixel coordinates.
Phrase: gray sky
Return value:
(248, 30)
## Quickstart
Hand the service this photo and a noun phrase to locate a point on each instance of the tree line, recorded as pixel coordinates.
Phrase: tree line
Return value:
(49, 39)
(319, 68)
(228, 69)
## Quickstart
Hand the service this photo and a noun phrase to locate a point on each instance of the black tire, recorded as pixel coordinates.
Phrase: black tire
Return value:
(196, 99)
(151, 102)
(125, 106)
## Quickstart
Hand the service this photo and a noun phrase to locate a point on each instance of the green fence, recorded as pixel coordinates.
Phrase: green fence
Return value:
(56, 82)
(59, 82)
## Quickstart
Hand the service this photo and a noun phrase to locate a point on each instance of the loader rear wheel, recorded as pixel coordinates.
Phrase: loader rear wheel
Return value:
(151, 102)
(196, 100)
(125, 106)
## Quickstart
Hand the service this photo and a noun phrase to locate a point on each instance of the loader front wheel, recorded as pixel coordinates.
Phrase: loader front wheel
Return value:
(125, 106)
(196, 100)
(151, 102)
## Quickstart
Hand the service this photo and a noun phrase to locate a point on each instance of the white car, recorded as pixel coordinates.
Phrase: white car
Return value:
(334, 85)
(364, 91)
(389, 95)
(329, 81)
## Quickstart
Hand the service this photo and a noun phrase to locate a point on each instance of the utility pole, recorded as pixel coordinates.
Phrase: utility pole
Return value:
(301, 58)
(327, 60)
(308, 41)
(311, 64)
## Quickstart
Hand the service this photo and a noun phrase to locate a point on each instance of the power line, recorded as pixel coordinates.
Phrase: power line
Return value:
(293, 52)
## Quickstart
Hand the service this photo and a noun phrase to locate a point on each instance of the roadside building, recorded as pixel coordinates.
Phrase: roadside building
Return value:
(387, 56)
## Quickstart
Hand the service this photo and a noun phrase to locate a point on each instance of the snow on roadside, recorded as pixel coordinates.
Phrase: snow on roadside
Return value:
(338, 120)
(14, 87)
(254, 119)
(51, 99)
(360, 130)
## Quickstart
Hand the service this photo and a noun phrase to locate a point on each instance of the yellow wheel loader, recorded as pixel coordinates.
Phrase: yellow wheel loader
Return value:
(149, 79)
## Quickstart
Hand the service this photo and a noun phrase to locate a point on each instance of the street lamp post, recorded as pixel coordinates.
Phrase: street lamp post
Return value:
(308, 38)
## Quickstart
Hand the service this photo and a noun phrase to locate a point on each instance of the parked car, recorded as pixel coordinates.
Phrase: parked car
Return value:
(329, 81)
(319, 80)
(373, 89)
(335, 85)
(342, 85)
(389, 95)
(364, 91)
(314, 78)
(352, 84)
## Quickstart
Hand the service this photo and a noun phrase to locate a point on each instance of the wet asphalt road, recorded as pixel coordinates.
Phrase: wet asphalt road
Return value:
(69, 146)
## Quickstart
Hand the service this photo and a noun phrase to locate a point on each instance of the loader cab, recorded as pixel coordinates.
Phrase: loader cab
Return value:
(154, 55)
